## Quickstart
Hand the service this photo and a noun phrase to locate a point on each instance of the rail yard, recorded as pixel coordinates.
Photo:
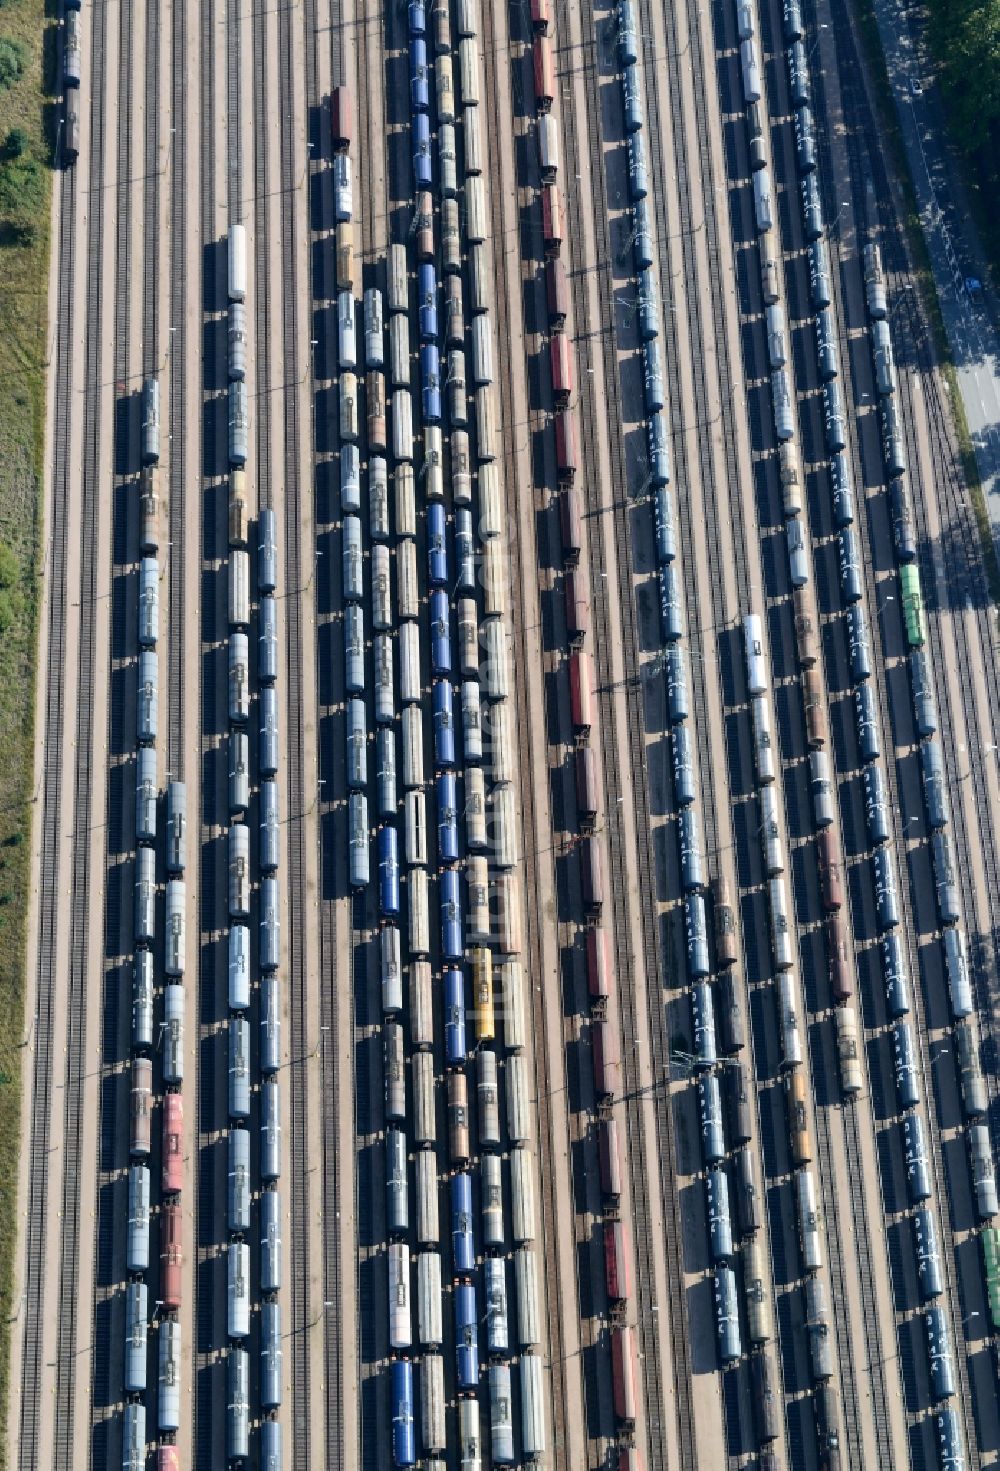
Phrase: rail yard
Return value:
(513, 962)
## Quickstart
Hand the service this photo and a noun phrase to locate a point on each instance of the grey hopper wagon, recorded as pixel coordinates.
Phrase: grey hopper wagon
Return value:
(239, 772)
(238, 1185)
(895, 975)
(924, 702)
(269, 948)
(984, 1180)
(175, 928)
(933, 777)
(391, 979)
(385, 703)
(491, 1200)
(905, 1065)
(136, 1328)
(149, 510)
(876, 803)
(810, 1241)
(142, 999)
(150, 436)
(238, 1290)
(727, 1315)
(239, 678)
(522, 1165)
(239, 1068)
(945, 878)
(237, 340)
(681, 750)
(720, 1230)
(705, 1054)
(764, 755)
(144, 927)
(533, 1438)
(417, 911)
(413, 747)
(147, 698)
(424, 1112)
(270, 1025)
(145, 795)
(501, 1415)
(137, 1238)
(350, 478)
(495, 1294)
(511, 983)
(777, 345)
(866, 720)
(239, 871)
(270, 1241)
(472, 139)
(818, 1330)
(710, 1114)
(929, 1269)
(239, 423)
(770, 833)
(237, 1404)
(429, 1316)
(820, 788)
(173, 1034)
(270, 1132)
(848, 1050)
(176, 827)
(973, 1085)
(271, 1355)
(168, 1409)
(347, 347)
(788, 1018)
(149, 601)
(917, 1162)
(841, 491)
(432, 1403)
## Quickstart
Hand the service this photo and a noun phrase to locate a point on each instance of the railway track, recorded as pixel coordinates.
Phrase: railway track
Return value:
(942, 1193)
(618, 857)
(296, 930)
(334, 1272)
(208, 1400)
(520, 556)
(35, 1286)
(74, 1162)
(177, 563)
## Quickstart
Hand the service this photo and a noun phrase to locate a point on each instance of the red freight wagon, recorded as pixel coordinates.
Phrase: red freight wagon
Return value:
(168, 1458)
(566, 463)
(170, 1256)
(576, 591)
(545, 83)
(342, 113)
(830, 881)
(806, 633)
(598, 961)
(580, 685)
(629, 1459)
(561, 363)
(623, 1373)
(586, 784)
(725, 923)
(556, 293)
(841, 978)
(173, 1142)
(812, 698)
(541, 14)
(616, 1261)
(552, 220)
(607, 1060)
(592, 872)
(610, 1158)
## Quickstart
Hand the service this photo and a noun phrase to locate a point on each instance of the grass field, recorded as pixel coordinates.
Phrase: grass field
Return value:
(25, 191)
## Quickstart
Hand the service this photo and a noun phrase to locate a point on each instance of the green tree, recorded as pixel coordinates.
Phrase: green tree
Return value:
(13, 56)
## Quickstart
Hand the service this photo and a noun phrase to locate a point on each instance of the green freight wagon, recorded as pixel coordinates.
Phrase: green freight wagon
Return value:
(913, 606)
(991, 1265)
